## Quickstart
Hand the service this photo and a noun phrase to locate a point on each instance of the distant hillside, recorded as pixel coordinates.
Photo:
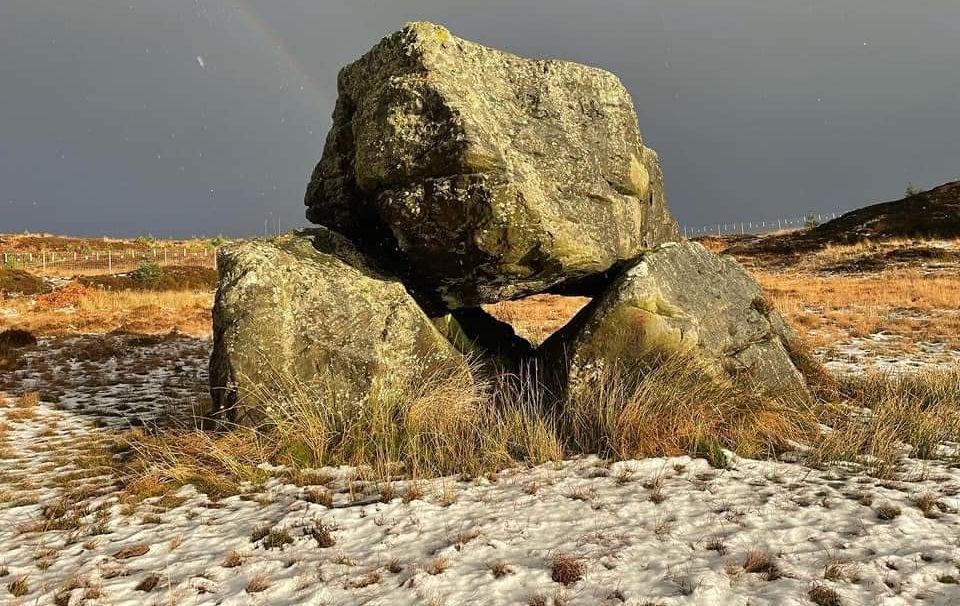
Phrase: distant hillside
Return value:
(930, 214)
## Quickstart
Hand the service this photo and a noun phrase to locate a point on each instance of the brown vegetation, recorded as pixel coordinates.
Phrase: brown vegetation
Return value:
(763, 562)
(821, 595)
(17, 281)
(566, 568)
(35, 243)
(259, 583)
(678, 407)
(450, 424)
(11, 342)
(88, 310)
(169, 278)
(828, 309)
(920, 410)
(447, 424)
(537, 317)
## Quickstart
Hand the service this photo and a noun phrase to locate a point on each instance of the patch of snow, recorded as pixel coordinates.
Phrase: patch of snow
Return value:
(687, 546)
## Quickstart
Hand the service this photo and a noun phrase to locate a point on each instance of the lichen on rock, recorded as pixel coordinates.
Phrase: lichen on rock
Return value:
(485, 175)
(307, 306)
(679, 299)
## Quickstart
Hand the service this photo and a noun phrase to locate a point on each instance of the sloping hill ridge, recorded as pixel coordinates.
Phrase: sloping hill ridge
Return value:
(930, 214)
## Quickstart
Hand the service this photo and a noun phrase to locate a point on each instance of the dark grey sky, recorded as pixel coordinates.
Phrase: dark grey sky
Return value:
(181, 117)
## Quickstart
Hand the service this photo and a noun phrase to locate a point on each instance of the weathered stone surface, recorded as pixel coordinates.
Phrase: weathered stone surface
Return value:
(485, 175)
(308, 305)
(679, 298)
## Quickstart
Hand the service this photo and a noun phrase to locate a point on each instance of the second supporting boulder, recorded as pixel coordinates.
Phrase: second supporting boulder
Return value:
(679, 299)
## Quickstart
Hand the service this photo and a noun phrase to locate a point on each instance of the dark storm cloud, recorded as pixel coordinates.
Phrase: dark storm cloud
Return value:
(182, 117)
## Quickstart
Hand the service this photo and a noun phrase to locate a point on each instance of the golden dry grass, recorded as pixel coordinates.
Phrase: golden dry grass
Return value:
(566, 568)
(97, 311)
(882, 415)
(260, 582)
(443, 424)
(37, 242)
(830, 309)
(834, 255)
(449, 423)
(537, 317)
(911, 289)
(679, 407)
(217, 463)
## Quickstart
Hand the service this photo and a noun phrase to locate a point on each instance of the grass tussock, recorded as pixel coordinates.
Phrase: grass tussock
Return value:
(19, 587)
(881, 416)
(678, 407)
(446, 423)
(763, 562)
(566, 568)
(217, 463)
(259, 583)
(822, 595)
(452, 423)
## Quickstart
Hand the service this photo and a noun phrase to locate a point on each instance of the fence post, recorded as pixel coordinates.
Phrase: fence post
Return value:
(110, 260)
(43, 259)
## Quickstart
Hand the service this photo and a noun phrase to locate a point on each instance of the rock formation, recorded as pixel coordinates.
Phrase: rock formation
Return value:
(679, 299)
(461, 175)
(493, 176)
(307, 306)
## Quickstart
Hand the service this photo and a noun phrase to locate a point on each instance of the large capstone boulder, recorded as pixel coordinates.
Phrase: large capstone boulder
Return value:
(680, 299)
(306, 308)
(486, 175)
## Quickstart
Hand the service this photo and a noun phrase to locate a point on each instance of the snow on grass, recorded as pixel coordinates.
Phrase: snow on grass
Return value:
(880, 353)
(600, 534)
(585, 531)
(119, 379)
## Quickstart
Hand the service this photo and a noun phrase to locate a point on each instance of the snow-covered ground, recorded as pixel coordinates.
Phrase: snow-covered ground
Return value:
(657, 531)
(883, 352)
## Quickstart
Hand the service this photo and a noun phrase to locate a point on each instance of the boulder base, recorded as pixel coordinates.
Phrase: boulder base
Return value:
(307, 306)
(679, 299)
(486, 176)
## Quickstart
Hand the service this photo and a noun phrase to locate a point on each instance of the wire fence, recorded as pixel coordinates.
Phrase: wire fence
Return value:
(70, 263)
(757, 227)
(112, 261)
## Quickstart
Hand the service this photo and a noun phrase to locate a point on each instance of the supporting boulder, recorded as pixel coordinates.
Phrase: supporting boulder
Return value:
(679, 299)
(483, 175)
(307, 307)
